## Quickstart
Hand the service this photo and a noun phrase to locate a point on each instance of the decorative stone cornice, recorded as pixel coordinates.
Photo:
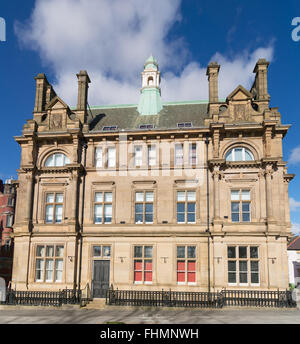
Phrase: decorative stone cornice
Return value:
(288, 177)
(63, 169)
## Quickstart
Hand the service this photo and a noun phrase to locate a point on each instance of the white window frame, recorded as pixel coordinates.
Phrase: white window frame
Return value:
(232, 151)
(66, 160)
(111, 159)
(46, 258)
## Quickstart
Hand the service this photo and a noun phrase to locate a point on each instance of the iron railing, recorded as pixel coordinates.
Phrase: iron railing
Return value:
(220, 299)
(162, 298)
(259, 298)
(46, 298)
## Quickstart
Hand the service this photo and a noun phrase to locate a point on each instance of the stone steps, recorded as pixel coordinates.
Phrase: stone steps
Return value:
(96, 304)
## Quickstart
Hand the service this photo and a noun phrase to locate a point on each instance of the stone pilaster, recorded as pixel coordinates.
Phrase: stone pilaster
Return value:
(268, 175)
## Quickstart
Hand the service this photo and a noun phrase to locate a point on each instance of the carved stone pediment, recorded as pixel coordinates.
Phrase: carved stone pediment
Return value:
(239, 108)
(57, 117)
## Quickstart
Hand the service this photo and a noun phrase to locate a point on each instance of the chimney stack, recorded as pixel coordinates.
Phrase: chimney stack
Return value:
(83, 85)
(41, 89)
(261, 80)
(213, 72)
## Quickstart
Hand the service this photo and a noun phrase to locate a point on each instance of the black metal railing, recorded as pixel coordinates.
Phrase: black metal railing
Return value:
(162, 298)
(259, 298)
(220, 299)
(45, 298)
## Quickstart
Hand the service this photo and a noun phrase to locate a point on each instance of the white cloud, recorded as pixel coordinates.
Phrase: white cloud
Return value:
(295, 156)
(111, 40)
(294, 205)
(296, 228)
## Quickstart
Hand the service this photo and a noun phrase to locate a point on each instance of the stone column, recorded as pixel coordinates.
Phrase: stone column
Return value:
(216, 175)
(268, 175)
(74, 184)
(30, 181)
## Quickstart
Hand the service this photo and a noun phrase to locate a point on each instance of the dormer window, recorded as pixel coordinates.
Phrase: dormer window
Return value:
(239, 154)
(110, 128)
(185, 125)
(57, 160)
(147, 126)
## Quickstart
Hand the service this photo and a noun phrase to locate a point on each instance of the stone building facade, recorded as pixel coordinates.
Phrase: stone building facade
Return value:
(7, 214)
(191, 196)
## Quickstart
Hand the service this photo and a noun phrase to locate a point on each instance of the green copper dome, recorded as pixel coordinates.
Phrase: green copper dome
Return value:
(151, 63)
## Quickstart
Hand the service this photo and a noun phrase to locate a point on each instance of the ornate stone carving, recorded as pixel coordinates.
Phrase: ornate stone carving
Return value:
(240, 113)
(56, 121)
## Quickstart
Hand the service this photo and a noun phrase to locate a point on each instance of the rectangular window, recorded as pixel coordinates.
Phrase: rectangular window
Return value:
(186, 264)
(138, 155)
(143, 264)
(192, 153)
(240, 206)
(54, 207)
(111, 157)
(102, 251)
(144, 207)
(186, 207)
(243, 265)
(103, 207)
(99, 157)
(151, 155)
(179, 154)
(9, 220)
(10, 202)
(49, 263)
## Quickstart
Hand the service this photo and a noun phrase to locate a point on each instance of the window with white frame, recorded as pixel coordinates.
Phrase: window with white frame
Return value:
(192, 154)
(99, 156)
(111, 157)
(57, 160)
(186, 264)
(186, 207)
(138, 156)
(151, 155)
(49, 263)
(143, 264)
(103, 207)
(144, 207)
(178, 154)
(240, 206)
(239, 154)
(243, 265)
(54, 207)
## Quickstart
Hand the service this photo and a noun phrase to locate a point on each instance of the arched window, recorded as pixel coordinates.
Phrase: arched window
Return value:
(150, 81)
(57, 160)
(239, 154)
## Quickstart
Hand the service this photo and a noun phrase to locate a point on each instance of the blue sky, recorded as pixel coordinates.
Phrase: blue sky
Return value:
(111, 39)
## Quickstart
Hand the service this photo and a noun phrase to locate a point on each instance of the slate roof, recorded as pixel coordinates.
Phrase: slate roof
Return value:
(294, 243)
(127, 117)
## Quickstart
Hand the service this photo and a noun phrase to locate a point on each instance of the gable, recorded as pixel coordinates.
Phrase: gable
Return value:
(240, 93)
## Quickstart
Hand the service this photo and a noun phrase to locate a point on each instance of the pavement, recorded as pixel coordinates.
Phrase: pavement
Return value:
(130, 315)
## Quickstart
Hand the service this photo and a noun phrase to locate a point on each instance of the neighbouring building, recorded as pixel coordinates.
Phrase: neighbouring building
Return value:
(188, 195)
(7, 213)
(293, 251)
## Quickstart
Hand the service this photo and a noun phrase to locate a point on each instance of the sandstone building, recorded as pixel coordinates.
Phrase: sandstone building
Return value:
(7, 211)
(191, 195)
